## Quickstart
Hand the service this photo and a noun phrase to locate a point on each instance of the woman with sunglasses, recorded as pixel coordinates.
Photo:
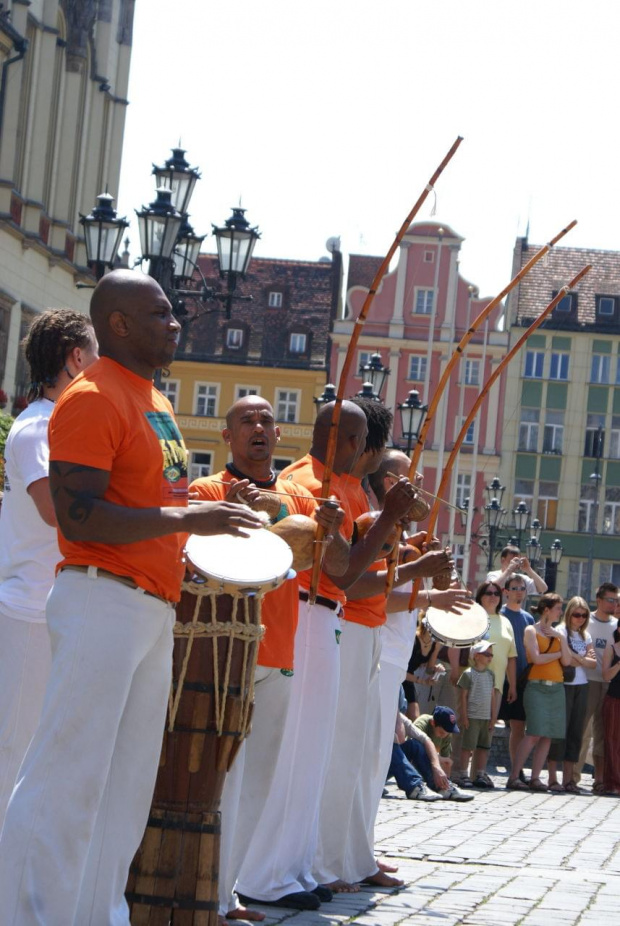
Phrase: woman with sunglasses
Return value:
(574, 628)
(501, 635)
(545, 706)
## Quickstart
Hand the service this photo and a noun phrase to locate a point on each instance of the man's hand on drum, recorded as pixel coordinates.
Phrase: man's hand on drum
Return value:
(432, 563)
(457, 600)
(398, 500)
(225, 517)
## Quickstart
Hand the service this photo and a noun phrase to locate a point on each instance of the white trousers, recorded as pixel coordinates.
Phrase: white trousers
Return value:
(279, 857)
(346, 845)
(81, 803)
(25, 659)
(247, 785)
(391, 678)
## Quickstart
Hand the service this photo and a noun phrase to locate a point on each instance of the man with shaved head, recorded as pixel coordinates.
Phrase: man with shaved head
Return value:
(278, 862)
(118, 477)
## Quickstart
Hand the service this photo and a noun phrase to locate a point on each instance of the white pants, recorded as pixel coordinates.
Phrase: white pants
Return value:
(82, 799)
(279, 857)
(247, 785)
(25, 659)
(346, 844)
(391, 678)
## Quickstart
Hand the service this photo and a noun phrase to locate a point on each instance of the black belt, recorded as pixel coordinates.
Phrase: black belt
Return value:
(326, 602)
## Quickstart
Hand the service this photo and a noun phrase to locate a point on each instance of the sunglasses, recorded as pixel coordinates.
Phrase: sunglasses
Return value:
(611, 600)
(580, 615)
(495, 594)
(516, 588)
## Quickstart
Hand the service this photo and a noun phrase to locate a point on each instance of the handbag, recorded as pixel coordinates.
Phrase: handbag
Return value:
(524, 676)
(569, 671)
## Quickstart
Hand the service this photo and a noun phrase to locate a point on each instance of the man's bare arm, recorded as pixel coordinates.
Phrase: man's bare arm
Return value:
(85, 516)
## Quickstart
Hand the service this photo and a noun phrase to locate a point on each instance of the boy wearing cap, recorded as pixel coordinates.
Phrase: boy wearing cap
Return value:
(429, 751)
(479, 708)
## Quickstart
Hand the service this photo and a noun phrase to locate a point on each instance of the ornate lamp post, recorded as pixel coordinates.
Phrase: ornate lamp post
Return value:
(412, 414)
(328, 395)
(367, 392)
(103, 231)
(235, 244)
(375, 373)
(521, 514)
(494, 515)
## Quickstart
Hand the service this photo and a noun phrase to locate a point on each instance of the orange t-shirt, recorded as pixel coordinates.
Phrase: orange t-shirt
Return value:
(111, 419)
(549, 671)
(367, 611)
(281, 606)
(308, 472)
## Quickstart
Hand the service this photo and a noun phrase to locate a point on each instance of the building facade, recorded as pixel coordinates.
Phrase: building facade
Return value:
(561, 443)
(420, 313)
(65, 70)
(277, 346)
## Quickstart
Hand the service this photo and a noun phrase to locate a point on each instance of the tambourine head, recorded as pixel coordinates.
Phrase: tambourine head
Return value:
(258, 560)
(458, 630)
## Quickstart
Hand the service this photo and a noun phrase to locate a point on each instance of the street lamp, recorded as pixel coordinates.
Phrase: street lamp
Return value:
(177, 176)
(494, 514)
(328, 395)
(235, 244)
(367, 392)
(551, 572)
(375, 373)
(103, 231)
(533, 550)
(495, 490)
(521, 514)
(556, 552)
(595, 479)
(412, 415)
(159, 225)
(536, 529)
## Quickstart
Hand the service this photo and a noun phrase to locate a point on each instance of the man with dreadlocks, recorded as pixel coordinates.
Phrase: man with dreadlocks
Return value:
(345, 853)
(58, 345)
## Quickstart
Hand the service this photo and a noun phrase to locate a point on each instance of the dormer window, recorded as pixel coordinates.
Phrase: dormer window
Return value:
(567, 304)
(234, 338)
(275, 300)
(606, 307)
(297, 343)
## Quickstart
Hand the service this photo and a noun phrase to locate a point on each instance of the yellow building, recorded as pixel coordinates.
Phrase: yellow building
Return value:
(201, 393)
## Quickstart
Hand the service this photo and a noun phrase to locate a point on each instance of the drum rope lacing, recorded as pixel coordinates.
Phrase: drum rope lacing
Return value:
(245, 631)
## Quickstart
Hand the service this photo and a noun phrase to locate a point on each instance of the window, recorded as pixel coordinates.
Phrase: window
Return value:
(553, 434)
(363, 359)
(587, 509)
(469, 438)
(417, 368)
(576, 577)
(528, 429)
(463, 489)
(429, 257)
(614, 438)
(606, 306)
(611, 511)
(242, 391)
(599, 370)
(199, 465)
(566, 304)
(297, 343)
(280, 463)
(170, 388)
(206, 399)
(558, 368)
(472, 372)
(424, 301)
(234, 338)
(275, 300)
(534, 362)
(595, 436)
(287, 401)
(547, 510)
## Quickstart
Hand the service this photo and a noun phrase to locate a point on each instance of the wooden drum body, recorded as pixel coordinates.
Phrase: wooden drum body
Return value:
(174, 876)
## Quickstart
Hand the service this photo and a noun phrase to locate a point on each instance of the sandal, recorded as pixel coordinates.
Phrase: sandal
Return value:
(465, 782)
(571, 788)
(598, 788)
(556, 787)
(515, 784)
(537, 785)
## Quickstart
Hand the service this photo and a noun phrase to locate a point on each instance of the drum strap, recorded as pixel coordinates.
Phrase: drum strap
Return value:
(246, 631)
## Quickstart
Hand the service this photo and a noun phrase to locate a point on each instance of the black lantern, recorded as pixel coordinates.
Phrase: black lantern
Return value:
(375, 373)
(556, 551)
(177, 176)
(185, 254)
(533, 550)
(494, 514)
(495, 491)
(235, 244)
(412, 415)
(536, 528)
(159, 227)
(367, 392)
(103, 231)
(328, 395)
(521, 515)
(464, 512)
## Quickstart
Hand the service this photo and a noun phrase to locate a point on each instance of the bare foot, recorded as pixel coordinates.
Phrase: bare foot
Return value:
(342, 887)
(243, 913)
(384, 866)
(383, 880)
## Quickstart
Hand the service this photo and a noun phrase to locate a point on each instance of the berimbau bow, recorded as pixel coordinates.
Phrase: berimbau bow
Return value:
(330, 452)
(445, 377)
(514, 350)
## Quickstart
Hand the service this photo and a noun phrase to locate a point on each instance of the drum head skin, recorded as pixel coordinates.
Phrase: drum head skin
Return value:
(259, 559)
(458, 629)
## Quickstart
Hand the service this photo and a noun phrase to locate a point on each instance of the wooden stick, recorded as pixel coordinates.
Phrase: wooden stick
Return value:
(221, 482)
(457, 354)
(332, 441)
(430, 494)
(432, 519)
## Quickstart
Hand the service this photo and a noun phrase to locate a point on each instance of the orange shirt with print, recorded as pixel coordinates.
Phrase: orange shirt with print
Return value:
(281, 606)
(367, 611)
(111, 419)
(308, 472)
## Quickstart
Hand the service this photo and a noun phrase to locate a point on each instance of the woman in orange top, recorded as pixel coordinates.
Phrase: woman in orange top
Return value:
(545, 709)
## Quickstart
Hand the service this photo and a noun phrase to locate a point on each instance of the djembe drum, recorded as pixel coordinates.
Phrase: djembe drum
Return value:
(174, 875)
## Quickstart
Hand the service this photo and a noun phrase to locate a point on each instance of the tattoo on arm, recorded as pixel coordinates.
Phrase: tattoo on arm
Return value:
(81, 507)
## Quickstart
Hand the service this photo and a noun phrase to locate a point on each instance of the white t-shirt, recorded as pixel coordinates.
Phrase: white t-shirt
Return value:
(529, 583)
(398, 634)
(28, 546)
(580, 646)
(602, 633)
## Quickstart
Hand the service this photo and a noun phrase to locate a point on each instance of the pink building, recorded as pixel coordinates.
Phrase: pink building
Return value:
(418, 316)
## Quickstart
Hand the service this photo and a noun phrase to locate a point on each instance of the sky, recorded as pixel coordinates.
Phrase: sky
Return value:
(327, 118)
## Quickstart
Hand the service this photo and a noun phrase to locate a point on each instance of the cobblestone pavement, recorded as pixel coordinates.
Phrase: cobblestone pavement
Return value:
(503, 859)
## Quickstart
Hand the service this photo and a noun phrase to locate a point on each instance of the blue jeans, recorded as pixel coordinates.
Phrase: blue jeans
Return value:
(406, 761)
